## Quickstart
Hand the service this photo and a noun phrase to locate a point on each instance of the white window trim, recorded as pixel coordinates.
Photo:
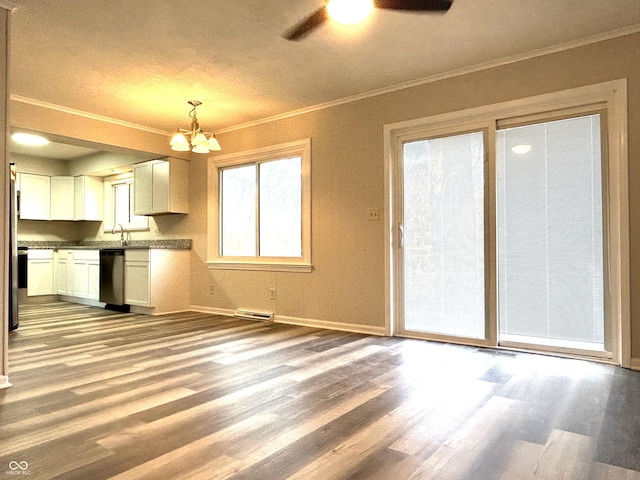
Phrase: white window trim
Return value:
(302, 149)
(108, 225)
(613, 95)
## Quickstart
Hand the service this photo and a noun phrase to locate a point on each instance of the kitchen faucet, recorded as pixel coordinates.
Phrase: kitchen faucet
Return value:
(123, 242)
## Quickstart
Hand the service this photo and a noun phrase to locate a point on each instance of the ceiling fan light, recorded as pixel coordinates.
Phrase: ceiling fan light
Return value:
(214, 144)
(349, 12)
(200, 149)
(179, 143)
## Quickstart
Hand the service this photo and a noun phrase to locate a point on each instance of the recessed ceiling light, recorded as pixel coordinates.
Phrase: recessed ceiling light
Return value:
(349, 12)
(521, 149)
(29, 139)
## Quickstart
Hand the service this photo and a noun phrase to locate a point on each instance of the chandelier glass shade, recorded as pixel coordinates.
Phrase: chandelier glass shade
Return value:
(199, 142)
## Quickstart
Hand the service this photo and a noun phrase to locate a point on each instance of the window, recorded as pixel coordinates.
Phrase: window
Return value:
(260, 209)
(119, 204)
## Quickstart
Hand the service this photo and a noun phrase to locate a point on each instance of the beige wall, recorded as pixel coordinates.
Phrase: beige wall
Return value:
(348, 177)
(348, 282)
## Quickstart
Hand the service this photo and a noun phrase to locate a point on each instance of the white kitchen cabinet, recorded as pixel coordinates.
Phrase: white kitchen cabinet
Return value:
(93, 283)
(64, 272)
(88, 198)
(137, 278)
(35, 196)
(157, 279)
(86, 274)
(40, 269)
(62, 198)
(161, 187)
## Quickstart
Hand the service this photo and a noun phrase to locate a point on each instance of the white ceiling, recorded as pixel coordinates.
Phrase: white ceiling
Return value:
(140, 61)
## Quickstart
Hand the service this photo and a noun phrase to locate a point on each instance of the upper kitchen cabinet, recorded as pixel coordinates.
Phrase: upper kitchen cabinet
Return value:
(161, 187)
(35, 196)
(61, 198)
(88, 198)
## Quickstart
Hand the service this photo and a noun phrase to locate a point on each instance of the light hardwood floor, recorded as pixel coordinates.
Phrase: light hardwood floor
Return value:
(99, 394)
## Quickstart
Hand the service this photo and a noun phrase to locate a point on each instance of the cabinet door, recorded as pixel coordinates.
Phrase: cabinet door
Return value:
(35, 197)
(160, 189)
(40, 273)
(40, 277)
(80, 279)
(62, 274)
(93, 280)
(136, 284)
(62, 198)
(62, 277)
(89, 198)
(142, 186)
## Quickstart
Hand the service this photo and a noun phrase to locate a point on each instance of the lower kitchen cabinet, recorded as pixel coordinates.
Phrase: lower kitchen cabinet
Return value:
(40, 269)
(86, 274)
(137, 278)
(156, 280)
(64, 275)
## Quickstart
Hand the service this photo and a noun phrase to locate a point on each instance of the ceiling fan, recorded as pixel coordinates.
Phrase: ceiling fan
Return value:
(321, 15)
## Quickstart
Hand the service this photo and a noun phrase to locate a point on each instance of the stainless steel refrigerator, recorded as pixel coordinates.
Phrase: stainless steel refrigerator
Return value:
(13, 249)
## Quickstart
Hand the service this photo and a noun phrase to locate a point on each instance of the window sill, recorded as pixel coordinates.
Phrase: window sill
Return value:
(265, 267)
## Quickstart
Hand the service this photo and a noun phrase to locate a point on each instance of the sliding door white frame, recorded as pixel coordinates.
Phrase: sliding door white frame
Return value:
(610, 96)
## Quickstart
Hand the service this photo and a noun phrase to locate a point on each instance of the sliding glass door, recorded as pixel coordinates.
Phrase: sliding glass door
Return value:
(443, 236)
(550, 242)
(531, 271)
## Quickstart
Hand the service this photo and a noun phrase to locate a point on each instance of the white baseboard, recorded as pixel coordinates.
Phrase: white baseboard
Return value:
(303, 322)
(212, 310)
(82, 301)
(4, 382)
(635, 364)
(343, 327)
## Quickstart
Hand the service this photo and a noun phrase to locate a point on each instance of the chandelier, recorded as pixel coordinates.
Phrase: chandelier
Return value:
(199, 142)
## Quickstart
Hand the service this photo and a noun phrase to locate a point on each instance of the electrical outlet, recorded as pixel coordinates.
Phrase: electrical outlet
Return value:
(211, 289)
(273, 293)
(373, 214)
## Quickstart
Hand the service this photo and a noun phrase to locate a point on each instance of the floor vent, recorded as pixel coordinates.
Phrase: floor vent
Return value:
(253, 315)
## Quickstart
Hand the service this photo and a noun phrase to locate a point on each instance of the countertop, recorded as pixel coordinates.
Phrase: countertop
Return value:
(177, 244)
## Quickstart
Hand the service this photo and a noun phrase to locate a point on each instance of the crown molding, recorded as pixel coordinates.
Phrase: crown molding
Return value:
(83, 114)
(442, 76)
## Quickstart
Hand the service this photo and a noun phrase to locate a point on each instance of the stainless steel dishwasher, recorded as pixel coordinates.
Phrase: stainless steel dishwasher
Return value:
(112, 276)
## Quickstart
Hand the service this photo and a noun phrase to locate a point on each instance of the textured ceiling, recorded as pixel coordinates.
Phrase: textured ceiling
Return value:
(140, 61)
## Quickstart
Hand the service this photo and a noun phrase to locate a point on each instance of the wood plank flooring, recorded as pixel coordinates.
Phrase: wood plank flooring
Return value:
(100, 394)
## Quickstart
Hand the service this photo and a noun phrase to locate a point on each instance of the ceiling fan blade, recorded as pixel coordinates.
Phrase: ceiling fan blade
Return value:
(305, 27)
(415, 5)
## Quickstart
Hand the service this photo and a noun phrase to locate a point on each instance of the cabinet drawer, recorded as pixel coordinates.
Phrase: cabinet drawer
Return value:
(37, 254)
(86, 255)
(137, 255)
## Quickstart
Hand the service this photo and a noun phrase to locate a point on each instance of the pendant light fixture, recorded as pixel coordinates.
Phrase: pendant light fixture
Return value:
(199, 142)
